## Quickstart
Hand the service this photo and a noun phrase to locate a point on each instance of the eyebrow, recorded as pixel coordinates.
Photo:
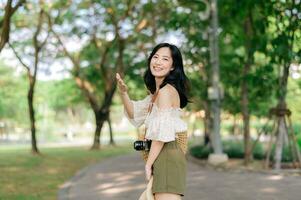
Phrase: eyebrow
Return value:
(163, 56)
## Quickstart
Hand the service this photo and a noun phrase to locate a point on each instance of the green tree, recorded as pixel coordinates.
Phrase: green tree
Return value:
(5, 20)
(37, 42)
(244, 65)
(12, 96)
(111, 45)
(284, 49)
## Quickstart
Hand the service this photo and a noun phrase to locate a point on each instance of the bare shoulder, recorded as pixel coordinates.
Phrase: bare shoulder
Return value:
(168, 96)
(170, 90)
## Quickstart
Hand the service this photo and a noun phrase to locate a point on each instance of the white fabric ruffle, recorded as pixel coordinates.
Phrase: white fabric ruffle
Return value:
(140, 108)
(163, 124)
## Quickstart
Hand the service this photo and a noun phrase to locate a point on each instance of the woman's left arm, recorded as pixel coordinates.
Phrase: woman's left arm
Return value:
(164, 101)
(155, 149)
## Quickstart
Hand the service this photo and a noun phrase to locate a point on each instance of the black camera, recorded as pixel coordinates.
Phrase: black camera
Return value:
(140, 145)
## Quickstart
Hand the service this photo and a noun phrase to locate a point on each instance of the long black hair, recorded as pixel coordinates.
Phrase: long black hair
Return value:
(176, 77)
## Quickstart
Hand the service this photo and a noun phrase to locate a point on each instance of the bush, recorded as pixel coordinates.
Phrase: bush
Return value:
(299, 140)
(297, 128)
(200, 151)
(234, 149)
(286, 154)
(258, 152)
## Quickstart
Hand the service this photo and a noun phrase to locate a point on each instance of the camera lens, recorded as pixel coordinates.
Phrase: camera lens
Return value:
(139, 145)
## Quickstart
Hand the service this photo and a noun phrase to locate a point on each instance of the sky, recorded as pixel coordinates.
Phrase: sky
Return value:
(58, 69)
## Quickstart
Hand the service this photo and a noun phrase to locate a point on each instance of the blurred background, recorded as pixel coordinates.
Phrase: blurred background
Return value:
(58, 61)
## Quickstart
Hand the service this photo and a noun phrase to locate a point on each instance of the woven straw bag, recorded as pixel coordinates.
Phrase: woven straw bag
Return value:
(181, 140)
(181, 137)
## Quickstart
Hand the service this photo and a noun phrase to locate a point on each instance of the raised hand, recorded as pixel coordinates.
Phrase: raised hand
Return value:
(121, 85)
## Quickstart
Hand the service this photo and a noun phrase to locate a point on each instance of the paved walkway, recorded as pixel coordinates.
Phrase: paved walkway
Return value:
(122, 178)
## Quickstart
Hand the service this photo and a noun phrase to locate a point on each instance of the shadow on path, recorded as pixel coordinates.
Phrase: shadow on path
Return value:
(122, 178)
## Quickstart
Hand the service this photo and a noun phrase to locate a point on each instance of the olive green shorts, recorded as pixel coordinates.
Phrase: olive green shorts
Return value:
(169, 170)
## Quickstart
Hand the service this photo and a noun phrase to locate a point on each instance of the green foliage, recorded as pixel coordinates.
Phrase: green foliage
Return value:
(13, 97)
(50, 97)
(286, 154)
(284, 39)
(297, 128)
(200, 151)
(239, 47)
(294, 102)
(60, 94)
(234, 149)
(107, 49)
(275, 40)
(299, 140)
(183, 17)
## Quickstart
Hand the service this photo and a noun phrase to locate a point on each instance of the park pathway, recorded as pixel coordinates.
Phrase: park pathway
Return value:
(122, 178)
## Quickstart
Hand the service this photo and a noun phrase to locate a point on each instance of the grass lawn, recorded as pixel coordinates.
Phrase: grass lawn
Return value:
(24, 176)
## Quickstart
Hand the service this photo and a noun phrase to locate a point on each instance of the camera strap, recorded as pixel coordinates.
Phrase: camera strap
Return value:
(150, 107)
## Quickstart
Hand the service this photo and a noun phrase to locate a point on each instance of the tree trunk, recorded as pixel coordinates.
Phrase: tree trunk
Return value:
(112, 142)
(234, 128)
(244, 89)
(5, 22)
(30, 94)
(246, 121)
(215, 98)
(207, 140)
(99, 118)
(102, 115)
(282, 130)
(72, 121)
(6, 25)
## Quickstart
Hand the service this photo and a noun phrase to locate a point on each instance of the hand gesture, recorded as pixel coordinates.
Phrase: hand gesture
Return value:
(121, 85)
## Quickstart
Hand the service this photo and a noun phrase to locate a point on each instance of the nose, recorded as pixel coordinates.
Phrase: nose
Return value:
(158, 61)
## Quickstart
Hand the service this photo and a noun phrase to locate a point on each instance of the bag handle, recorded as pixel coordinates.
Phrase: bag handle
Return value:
(150, 107)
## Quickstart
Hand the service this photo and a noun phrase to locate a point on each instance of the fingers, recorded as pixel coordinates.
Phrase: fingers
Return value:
(117, 76)
(120, 81)
(121, 85)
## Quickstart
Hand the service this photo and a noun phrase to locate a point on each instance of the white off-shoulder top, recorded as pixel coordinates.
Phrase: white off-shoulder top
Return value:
(161, 124)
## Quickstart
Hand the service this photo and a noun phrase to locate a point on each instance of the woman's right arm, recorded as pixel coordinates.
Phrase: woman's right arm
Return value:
(135, 111)
(128, 104)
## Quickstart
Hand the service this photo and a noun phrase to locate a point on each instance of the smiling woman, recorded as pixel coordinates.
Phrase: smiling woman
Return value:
(160, 111)
(161, 62)
(165, 65)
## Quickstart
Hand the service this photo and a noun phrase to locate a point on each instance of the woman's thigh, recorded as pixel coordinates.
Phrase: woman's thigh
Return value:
(167, 196)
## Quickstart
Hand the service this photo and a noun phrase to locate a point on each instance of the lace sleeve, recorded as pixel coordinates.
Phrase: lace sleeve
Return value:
(163, 124)
(139, 110)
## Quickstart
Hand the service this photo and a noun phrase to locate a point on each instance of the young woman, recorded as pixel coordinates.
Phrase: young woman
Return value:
(167, 86)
